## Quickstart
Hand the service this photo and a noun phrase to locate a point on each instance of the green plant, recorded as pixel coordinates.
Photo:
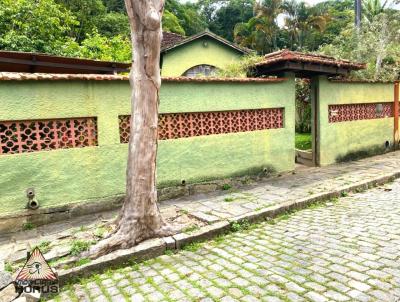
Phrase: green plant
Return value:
(303, 106)
(28, 226)
(344, 194)
(82, 261)
(83, 228)
(244, 290)
(240, 68)
(99, 232)
(168, 252)
(79, 246)
(240, 225)
(229, 199)
(43, 246)
(219, 239)
(303, 141)
(190, 228)
(192, 247)
(226, 187)
(8, 267)
(334, 200)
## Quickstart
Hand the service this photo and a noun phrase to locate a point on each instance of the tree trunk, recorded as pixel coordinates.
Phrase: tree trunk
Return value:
(140, 217)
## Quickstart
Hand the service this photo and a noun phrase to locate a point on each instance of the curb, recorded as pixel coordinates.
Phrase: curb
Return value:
(156, 247)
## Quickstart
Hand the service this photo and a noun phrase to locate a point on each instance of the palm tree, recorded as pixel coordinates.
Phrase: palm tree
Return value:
(373, 8)
(300, 20)
(268, 8)
(260, 32)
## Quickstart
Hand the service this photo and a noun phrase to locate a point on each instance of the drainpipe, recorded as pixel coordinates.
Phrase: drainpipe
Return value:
(396, 137)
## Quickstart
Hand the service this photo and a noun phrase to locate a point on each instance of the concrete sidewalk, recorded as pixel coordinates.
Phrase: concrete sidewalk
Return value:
(303, 184)
(273, 195)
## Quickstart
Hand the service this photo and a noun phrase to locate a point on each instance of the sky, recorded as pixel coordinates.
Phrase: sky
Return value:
(310, 2)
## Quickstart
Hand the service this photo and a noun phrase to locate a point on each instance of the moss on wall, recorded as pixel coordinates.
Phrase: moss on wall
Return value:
(343, 140)
(72, 175)
(180, 59)
(362, 153)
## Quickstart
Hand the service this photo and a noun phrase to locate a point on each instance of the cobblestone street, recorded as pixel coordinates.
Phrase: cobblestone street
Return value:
(346, 250)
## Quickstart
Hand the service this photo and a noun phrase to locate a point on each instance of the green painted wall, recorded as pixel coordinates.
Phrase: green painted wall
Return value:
(337, 140)
(179, 59)
(72, 175)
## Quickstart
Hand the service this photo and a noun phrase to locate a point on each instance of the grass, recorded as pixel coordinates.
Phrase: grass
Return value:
(303, 141)
(99, 232)
(241, 225)
(8, 267)
(43, 246)
(28, 226)
(192, 247)
(82, 261)
(344, 194)
(190, 229)
(79, 246)
(229, 199)
(226, 187)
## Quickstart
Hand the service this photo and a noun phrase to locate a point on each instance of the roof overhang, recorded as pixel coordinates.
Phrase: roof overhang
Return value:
(300, 69)
(303, 65)
(13, 61)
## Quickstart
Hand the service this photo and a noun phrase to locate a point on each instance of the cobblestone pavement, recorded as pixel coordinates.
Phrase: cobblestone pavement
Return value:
(346, 250)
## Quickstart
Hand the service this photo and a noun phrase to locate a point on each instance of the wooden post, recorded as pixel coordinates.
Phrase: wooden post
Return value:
(396, 116)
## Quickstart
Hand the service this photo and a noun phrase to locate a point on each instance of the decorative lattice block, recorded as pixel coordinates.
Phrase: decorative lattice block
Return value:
(179, 125)
(39, 135)
(355, 112)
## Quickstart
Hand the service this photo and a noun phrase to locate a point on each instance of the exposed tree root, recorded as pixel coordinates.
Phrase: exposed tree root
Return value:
(122, 238)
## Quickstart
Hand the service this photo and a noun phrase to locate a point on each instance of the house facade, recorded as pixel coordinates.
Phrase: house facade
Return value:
(200, 54)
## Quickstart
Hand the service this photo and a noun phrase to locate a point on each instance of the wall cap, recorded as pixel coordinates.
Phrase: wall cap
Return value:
(360, 81)
(19, 76)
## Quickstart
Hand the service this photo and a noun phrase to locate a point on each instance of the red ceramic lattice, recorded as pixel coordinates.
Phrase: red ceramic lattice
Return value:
(179, 125)
(355, 112)
(39, 135)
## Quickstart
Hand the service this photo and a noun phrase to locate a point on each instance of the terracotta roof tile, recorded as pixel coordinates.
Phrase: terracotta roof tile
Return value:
(18, 76)
(295, 56)
(170, 39)
(232, 80)
(206, 33)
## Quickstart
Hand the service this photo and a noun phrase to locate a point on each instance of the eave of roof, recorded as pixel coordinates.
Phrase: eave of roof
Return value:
(16, 76)
(16, 61)
(211, 35)
(295, 56)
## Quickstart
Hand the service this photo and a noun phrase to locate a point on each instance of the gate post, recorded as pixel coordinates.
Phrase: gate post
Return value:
(396, 116)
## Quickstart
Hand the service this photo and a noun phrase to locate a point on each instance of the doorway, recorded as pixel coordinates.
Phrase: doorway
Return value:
(305, 123)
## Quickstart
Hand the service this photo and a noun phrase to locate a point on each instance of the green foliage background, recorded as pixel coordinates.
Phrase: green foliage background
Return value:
(99, 29)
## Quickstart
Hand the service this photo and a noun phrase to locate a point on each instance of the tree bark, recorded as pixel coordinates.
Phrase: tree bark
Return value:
(140, 217)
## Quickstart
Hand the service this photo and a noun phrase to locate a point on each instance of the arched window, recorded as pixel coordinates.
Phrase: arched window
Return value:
(200, 70)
